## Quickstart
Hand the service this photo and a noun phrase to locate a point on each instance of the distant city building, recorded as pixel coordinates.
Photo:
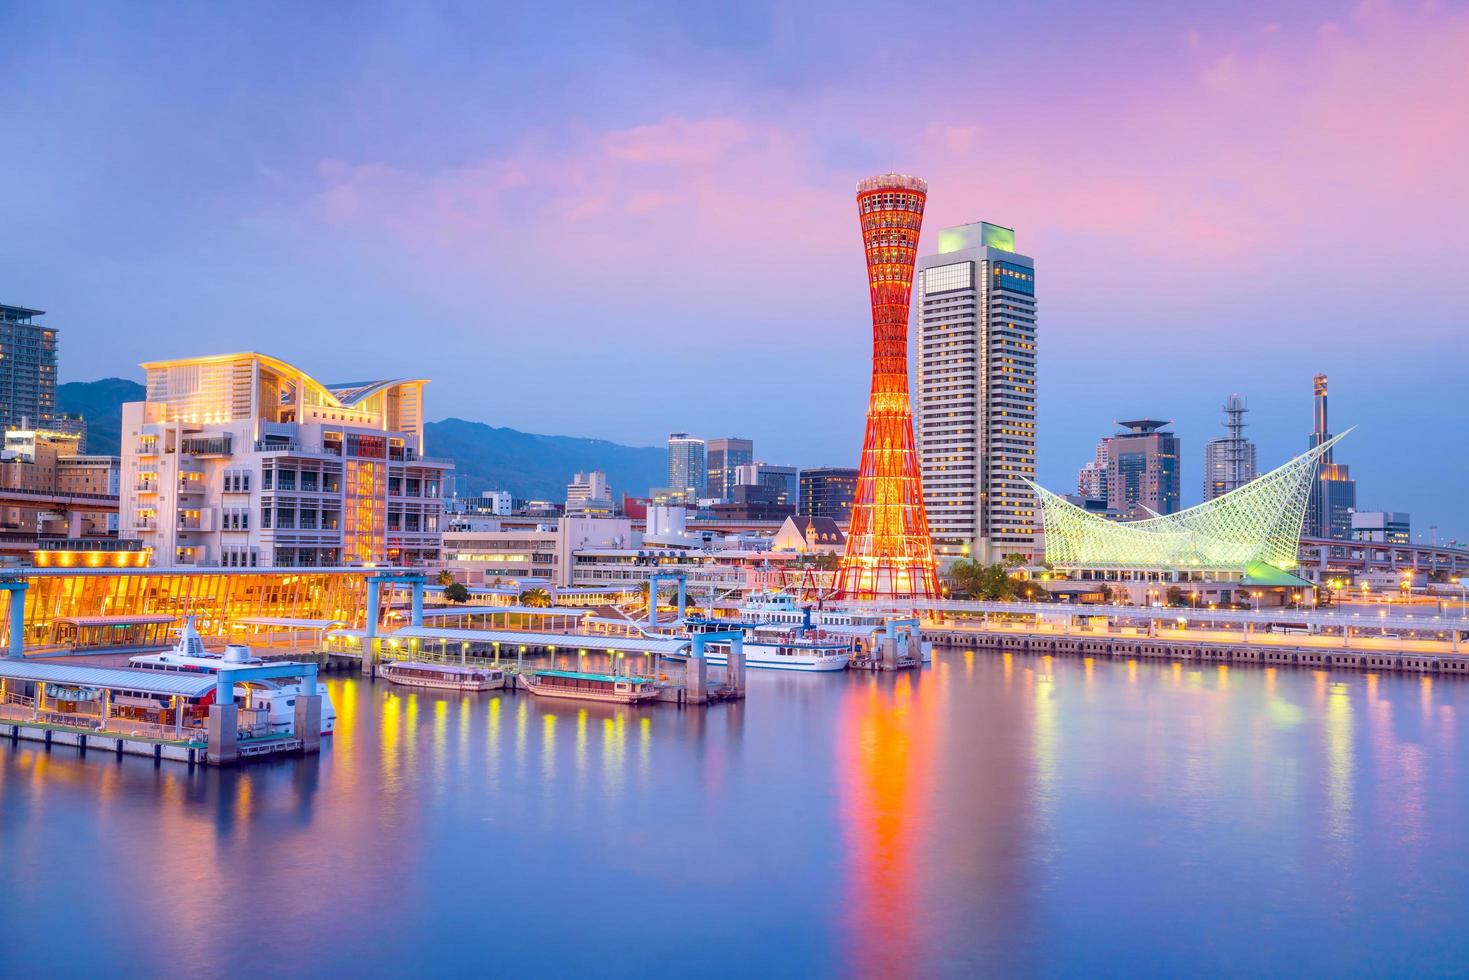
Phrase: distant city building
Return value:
(754, 502)
(41, 461)
(828, 491)
(724, 457)
(27, 369)
(244, 460)
(687, 466)
(500, 503)
(588, 495)
(786, 480)
(72, 425)
(1091, 479)
(1143, 474)
(1334, 494)
(976, 393)
(1381, 526)
(1229, 462)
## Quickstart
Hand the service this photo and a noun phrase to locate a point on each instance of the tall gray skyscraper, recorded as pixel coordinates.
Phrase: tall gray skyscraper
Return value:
(725, 457)
(974, 410)
(687, 467)
(27, 368)
(1229, 462)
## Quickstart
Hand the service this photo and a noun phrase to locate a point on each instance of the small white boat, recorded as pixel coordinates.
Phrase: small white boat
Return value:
(579, 686)
(445, 677)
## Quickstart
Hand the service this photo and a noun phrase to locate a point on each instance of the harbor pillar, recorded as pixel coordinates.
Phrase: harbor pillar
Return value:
(16, 591)
(683, 597)
(416, 619)
(735, 674)
(889, 653)
(369, 654)
(106, 710)
(224, 747)
(915, 647)
(696, 678)
(308, 722)
(74, 523)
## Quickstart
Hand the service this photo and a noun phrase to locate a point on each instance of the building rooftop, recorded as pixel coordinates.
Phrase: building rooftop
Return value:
(8, 312)
(1143, 426)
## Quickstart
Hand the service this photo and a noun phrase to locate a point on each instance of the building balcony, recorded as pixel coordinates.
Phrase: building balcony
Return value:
(146, 447)
(191, 486)
(147, 486)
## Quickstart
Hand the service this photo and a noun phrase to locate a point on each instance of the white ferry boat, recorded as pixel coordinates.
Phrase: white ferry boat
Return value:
(446, 677)
(189, 656)
(771, 616)
(576, 685)
(778, 648)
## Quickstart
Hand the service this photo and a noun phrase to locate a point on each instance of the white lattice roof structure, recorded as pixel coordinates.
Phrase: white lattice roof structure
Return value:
(1253, 525)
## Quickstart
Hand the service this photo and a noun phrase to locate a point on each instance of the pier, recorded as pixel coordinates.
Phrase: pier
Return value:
(1211, 651)
(187, 717)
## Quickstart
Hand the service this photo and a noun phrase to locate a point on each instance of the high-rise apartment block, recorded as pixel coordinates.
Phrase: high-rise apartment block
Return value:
(1334, 494)
(724, 457)
(1143, 470)
(1229, 462)
(976, 397)
(688, 473)
(244, 460)
(1091, 479)
(27, 369)
(828, 491)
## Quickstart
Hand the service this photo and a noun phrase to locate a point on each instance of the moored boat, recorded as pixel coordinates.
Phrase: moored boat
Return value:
(448, 677)
(582, 686)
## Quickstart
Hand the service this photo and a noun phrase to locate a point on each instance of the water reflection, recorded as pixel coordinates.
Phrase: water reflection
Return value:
(986, 816)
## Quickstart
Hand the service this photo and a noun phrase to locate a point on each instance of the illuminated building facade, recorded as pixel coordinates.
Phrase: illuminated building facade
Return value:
(1250, 534)
(827, 491)
(243, 460)
(976, 394)
(115, 607)
(889, 553)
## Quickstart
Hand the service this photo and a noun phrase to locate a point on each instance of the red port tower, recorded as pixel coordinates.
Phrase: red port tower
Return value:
(889, 554)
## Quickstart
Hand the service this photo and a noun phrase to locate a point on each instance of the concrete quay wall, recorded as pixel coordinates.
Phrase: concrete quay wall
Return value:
(1153, 648)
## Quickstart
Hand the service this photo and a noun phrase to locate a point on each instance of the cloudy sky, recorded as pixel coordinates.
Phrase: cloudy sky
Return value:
(617, 222)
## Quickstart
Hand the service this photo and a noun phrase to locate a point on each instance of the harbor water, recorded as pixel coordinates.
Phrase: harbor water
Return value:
(1002, 815)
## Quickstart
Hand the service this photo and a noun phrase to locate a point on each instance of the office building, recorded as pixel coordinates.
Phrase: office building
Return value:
(725, 457)
(244, 460)
(1091, 479)
(27, 369)
(688, 470)
(588, 495)
(753, 502)
(785, 480)
(828, 491)
(1229, 462)
(1381, 527)
(1143, 472)
(976, 398)
(1334, 495)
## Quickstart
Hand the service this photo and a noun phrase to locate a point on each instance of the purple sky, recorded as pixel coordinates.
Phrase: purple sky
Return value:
(611, 224)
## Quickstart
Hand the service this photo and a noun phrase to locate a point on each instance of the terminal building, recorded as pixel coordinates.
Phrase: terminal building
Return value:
(244, 461)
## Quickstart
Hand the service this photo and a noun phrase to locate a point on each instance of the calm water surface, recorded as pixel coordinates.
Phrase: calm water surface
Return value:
(997, 815)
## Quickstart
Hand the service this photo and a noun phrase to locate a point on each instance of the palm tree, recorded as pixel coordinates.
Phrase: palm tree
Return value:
(535, 598)
(446, 578)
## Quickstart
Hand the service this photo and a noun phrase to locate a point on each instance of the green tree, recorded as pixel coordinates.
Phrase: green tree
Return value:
(456, 593)
(980, 581)
(535, 598)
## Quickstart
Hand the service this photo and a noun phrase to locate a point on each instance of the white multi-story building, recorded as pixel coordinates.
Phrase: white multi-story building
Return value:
(243, 460)
(974, 409)
(588, 495)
